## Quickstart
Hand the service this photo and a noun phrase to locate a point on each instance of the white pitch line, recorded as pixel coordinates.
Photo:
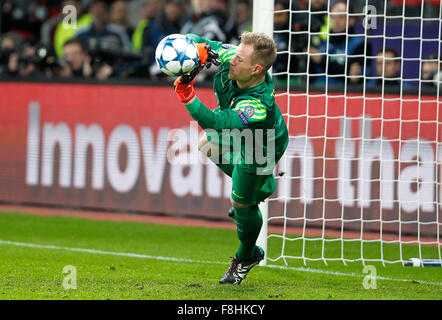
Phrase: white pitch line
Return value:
(146, 256)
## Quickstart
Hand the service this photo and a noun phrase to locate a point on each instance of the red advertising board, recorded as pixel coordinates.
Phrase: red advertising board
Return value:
(111, 147)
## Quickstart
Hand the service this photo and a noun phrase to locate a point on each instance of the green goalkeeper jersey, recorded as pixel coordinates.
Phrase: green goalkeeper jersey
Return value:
(251, 108)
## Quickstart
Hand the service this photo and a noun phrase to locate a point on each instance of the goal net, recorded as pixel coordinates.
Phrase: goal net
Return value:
(359, 85)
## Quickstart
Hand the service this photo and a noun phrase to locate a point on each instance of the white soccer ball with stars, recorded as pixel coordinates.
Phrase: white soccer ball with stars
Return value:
(176, 55)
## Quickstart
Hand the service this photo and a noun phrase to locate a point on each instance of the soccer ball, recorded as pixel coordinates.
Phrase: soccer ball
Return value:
(176, 55)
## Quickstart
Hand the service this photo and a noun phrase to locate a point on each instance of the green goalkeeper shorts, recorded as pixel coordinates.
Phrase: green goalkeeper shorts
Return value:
(250, 188)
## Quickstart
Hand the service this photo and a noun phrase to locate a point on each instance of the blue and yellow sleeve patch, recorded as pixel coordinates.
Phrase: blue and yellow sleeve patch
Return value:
(250, 111)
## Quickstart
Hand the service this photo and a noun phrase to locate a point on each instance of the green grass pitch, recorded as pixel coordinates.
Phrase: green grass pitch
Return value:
(131, 260)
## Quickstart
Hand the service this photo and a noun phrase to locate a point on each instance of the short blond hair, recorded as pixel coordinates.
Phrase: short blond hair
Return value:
(264, 47)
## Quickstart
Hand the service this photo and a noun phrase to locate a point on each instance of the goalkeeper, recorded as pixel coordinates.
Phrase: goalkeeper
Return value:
(245, 95)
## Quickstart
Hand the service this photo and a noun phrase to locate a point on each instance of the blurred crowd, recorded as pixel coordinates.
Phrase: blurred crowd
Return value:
(117, 39)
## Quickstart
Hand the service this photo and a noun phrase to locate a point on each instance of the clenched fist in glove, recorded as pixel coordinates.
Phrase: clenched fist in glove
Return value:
(184, 90)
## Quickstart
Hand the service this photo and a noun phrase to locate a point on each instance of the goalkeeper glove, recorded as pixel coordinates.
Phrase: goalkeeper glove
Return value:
(184, 90)
(207, 56)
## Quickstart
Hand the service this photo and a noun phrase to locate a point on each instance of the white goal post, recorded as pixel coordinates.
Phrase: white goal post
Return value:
(263, 11)
(363, 176)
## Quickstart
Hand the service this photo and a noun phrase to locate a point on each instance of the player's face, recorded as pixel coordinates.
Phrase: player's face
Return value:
(241, 66)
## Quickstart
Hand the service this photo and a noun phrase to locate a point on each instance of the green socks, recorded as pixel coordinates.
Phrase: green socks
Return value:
(248, 225)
